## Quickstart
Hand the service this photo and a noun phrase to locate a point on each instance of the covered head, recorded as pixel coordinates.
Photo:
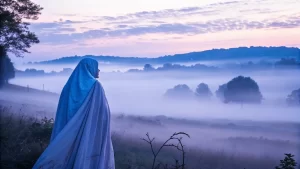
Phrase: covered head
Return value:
(74, 92)
(88, 67)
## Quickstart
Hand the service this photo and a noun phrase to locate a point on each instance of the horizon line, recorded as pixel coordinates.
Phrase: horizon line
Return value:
(99, 55)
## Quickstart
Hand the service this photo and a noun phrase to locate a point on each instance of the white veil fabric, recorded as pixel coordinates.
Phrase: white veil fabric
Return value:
(83, 140)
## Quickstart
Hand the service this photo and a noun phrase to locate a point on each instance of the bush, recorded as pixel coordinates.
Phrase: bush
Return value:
(23, 139)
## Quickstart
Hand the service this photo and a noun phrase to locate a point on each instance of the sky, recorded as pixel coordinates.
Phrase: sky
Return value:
(144, 28)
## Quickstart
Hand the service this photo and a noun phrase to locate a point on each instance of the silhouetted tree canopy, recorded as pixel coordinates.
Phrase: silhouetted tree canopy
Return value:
(148, 67)
(293, 99)
(7, 70)
(287, 63)
(220, 91)
(242, 90)
(203, 91)
(287, 163)
(15, 36)
(167, 66)
(283, 63)
(181, 91)
(35, 72)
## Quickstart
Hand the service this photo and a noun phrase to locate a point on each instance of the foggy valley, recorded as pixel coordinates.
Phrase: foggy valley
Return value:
(141, 93)
(269, 129)
(140, 84)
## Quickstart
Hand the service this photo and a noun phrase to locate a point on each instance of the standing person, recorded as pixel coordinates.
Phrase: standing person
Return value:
(81, 137)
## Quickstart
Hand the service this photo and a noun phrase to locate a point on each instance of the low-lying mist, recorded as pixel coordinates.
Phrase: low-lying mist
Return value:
(104, 67)
(137, 105)
(141, 94)
(270, 139)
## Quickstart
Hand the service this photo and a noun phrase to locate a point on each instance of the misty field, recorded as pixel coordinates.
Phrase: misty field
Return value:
(222, 136)
(141, 94)
(212, 143)
(235, 104)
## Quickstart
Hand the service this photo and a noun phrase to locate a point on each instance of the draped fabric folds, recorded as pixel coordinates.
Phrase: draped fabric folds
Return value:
(81, 138)
(74, 92)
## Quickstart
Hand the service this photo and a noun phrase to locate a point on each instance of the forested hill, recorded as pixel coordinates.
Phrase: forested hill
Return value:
(214, 54)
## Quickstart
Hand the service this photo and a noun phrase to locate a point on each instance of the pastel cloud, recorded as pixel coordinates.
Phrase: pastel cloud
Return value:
(189, 28)
(243, 17)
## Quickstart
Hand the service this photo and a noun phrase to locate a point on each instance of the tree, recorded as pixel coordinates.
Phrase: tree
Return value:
(287, 163)
(15, 36)
(7, 70)
(203, 91)
(181, 91)
(167, 66)
(148, 67)
(242, 90)
(220, 91)
(293, 99)
(2, 65)
(287, 63)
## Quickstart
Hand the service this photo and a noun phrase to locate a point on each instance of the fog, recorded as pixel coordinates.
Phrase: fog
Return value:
(110, 67)
(141, 93)
(137, 106)
(104, 67)
(231, 136)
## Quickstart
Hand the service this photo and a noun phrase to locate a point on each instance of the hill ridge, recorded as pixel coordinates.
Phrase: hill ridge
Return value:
(258, 52)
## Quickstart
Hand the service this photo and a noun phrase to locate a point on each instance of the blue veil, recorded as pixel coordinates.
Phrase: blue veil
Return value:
(81, 137)
(74, 92)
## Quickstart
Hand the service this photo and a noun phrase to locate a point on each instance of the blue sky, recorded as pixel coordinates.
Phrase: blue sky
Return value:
(161, 27)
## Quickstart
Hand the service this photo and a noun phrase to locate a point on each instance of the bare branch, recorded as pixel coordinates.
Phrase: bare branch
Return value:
(179, 147)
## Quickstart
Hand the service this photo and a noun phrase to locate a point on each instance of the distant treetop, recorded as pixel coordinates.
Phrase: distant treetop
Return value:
(242, 90)
(181, 91)
(293, 99)
(203, 91)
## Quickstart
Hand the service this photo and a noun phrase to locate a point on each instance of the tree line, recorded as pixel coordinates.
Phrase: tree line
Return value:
(283, 63)
(242, 90)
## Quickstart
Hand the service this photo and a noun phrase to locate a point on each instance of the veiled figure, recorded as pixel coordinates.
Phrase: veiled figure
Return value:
(81, 136)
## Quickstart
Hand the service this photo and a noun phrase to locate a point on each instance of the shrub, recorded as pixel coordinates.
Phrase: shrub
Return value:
(23, 139)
